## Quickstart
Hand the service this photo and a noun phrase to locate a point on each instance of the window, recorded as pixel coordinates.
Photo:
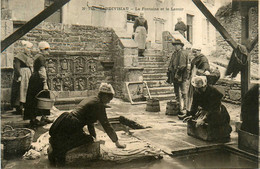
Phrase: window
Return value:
(159, 28)
(190, 28)
(131, 17)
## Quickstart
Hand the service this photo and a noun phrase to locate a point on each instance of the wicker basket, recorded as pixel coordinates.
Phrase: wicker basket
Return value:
(16, 141)
(43, 102)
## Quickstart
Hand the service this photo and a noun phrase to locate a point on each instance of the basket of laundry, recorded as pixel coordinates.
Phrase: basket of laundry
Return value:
(16, 141)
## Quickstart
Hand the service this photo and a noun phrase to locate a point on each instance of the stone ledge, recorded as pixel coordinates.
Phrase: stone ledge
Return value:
(134, 68)
(74, 100)
(72, 53)
(128, 43)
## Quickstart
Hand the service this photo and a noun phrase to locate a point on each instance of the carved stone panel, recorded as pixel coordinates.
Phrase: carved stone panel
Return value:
(80, 83)
(79, 65)
(67, 84)
(91, 65)
(92, 82)
(51, 66)
(72, 73)
(66, 65)
(57, 84)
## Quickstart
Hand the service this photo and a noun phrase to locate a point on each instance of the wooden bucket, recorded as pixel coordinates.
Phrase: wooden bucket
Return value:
(152, 105)
(172, 108)
(45, 99)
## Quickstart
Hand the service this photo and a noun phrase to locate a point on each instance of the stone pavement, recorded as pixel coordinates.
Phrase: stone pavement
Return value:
(167, 133)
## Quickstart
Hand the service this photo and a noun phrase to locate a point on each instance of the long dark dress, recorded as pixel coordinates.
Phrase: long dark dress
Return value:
(67, 130)
(199, 62)
(141, 29)
(35, 86)
(209, 104)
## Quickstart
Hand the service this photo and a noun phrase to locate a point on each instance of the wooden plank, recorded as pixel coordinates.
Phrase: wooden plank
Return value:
(215, 23)
(245, 72)
(251, 45)
(32, 23)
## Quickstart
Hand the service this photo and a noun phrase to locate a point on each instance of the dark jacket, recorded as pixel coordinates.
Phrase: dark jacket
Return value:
(181, 27)
(34, 87)
(201, 62)
(210, 102)
(91, 110)
(178, 67)
(88, 111)
(140, 22)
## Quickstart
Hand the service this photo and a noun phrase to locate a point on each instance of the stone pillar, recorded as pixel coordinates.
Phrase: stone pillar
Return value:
(127, 68)
(6, 65)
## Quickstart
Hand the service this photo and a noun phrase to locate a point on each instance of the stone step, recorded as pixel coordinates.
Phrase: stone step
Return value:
(164, 97)
(155, 70)
(152, 52)
(160, 90)
(159, 78)
(152, 64)
(151, 59)
(157, 83)
(155, 76)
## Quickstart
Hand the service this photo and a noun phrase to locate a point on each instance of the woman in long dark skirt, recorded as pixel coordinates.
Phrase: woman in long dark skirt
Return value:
(67, 130)
(37, 83)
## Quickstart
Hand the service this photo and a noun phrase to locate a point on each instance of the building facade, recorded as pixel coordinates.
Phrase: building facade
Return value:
(120, 14)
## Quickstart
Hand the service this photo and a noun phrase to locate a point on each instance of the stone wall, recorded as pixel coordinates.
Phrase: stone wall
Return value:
(231, 90)
(77, 54)
(231, 20)
(81, 58)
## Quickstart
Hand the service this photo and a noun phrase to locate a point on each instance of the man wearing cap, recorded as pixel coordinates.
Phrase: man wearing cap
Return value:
(67, 130)
(178, 72)
(180, 26)
(207, 109)
(37, 83)
(199, 66)
(22, 74)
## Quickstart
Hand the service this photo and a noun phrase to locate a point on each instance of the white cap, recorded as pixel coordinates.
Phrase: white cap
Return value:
(27, 44)
(106, 88)
(44, 45)
(199, 81)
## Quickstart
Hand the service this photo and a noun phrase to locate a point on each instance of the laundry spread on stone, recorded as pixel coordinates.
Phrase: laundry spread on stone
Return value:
(42, 143)
(31, 155)
(135, 149)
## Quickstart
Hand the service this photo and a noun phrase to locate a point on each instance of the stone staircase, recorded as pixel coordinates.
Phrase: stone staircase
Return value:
(154, 74)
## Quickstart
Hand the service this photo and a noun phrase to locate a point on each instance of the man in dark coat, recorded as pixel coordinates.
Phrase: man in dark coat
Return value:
(250, 111)
(181, 27)
(199, 66)
(67, 130)
(207, 109)
(200, 61)
(178, 72)
(37, 83)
